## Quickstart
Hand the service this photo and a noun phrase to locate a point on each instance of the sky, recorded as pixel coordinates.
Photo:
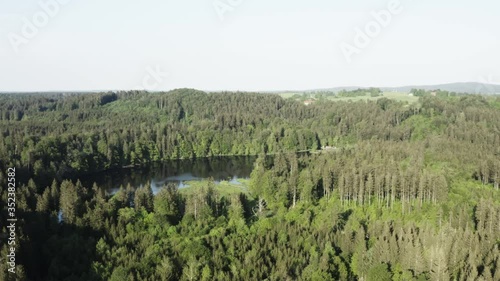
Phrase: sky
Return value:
(247, 45)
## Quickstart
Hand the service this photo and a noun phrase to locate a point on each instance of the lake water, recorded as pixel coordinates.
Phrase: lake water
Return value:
(179, 171)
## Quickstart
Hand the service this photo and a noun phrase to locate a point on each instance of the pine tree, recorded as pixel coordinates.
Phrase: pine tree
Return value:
(168, 205)
(71, 201)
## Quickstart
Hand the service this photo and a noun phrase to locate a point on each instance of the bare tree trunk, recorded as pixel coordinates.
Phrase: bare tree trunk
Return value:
(261, 206)
(195, 208)
(403, 201)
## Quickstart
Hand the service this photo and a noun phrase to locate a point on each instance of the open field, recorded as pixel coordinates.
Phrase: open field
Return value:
(390, 95)
(404, 97)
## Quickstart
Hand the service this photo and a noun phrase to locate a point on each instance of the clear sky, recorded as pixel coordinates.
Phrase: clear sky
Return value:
(254, 45)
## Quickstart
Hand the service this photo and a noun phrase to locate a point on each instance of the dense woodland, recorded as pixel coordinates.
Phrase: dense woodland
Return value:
(410, 191)
(373, 92)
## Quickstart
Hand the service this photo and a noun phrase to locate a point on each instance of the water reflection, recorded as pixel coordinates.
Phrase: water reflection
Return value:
(180, 171)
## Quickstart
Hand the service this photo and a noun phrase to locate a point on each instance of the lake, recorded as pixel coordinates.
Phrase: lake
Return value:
(177, 171)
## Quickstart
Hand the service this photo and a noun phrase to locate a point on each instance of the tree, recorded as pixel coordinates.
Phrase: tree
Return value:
(119, 274)
(307, 184)
(379, 272)
(71, 201)
(144, 198)
(167, 205)
(166, 270)
(257, 184)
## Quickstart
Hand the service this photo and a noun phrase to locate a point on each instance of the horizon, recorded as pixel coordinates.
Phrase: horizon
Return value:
(256, 91)
(252, 46)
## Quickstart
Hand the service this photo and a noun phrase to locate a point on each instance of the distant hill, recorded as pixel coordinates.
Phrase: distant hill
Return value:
(461, 87)
(464, 87)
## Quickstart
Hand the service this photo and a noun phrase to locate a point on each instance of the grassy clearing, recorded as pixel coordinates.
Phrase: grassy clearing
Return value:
(224, 188)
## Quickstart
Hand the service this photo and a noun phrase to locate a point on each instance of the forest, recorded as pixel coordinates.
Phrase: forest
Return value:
(374, 92)
(409, 192)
